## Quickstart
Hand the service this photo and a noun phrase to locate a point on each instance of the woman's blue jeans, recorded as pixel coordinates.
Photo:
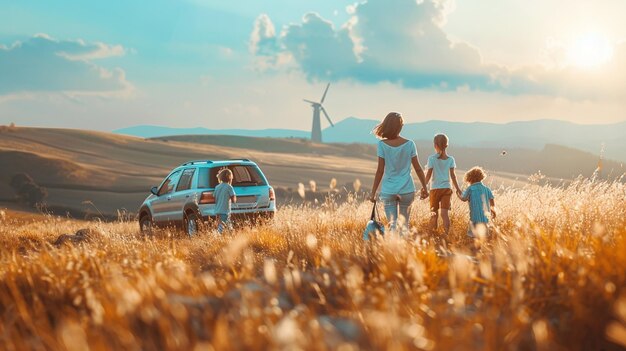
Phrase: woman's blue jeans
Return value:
(397, 206)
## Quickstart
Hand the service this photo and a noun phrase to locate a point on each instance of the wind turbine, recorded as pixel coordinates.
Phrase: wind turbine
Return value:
(316, 131)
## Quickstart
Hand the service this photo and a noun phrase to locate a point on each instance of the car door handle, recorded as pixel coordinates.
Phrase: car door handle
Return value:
(169, 198)
(187, 196)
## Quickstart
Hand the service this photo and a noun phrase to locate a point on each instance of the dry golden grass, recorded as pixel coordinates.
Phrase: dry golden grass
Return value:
(550, 279)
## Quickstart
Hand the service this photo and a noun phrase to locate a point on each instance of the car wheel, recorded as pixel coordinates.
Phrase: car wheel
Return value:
(192, 224)
(145, 224)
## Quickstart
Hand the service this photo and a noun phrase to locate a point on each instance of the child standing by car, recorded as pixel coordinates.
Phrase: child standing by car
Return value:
(441, 169)
(224, 194)
(481, 202)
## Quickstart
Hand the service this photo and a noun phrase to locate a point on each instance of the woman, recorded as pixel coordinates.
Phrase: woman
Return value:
(395, 157)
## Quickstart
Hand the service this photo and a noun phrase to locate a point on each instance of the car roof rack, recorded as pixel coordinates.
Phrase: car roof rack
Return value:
(189, 163)
(239, 159)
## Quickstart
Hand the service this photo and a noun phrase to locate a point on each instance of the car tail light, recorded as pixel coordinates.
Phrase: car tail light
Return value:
(272, 194)
(207, 198)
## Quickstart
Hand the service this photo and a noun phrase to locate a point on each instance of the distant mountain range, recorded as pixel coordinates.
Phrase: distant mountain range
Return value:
(526, 134)
(159, 131)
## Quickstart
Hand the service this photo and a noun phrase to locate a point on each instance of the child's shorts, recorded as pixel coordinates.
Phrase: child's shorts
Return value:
(440, 198)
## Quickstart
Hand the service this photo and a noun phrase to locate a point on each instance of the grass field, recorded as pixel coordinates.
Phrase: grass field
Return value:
(550, 278)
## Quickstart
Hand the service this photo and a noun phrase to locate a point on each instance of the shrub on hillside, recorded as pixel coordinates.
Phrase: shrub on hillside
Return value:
(11, 127)
(20, 179)
(26, 190)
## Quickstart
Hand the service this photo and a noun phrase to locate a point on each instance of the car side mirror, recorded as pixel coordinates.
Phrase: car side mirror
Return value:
(155, 190)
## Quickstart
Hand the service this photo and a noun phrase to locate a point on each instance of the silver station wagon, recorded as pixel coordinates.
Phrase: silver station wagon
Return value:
(185, 197)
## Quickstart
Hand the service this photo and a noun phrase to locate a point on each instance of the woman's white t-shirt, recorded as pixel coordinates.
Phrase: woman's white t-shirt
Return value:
(397, 178)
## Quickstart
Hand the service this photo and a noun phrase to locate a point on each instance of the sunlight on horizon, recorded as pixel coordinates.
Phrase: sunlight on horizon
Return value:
(590, 50)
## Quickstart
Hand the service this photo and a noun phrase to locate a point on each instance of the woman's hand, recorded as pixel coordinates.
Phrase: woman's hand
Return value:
(459, 193)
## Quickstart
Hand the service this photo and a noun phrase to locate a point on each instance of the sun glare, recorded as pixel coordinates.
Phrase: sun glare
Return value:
(590, 50)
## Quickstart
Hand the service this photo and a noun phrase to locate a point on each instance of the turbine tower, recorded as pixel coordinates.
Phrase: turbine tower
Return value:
(316, 131)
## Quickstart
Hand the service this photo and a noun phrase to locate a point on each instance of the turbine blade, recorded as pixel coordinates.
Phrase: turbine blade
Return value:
(325, 91)
(327, 117)
(309, 101)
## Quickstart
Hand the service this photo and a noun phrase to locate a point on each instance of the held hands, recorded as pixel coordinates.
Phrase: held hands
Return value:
(372, 197)
(423, 194)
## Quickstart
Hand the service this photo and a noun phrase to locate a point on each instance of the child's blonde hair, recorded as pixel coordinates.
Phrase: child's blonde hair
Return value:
(441, 141)
(475, 175)
(390, 127)
(225, 175)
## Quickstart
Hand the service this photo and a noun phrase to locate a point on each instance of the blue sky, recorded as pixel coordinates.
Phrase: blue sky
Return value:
(245, 63)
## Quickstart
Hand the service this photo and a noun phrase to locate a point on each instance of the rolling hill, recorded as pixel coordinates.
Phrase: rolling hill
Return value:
(103, 172)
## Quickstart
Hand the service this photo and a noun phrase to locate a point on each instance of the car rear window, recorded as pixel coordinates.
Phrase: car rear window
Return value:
(243, 175)
(185, 180)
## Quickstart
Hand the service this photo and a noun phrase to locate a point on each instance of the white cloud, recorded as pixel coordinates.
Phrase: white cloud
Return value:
(318, 48)
(403, 42)
(400, 42)
(263, 37)
(80, 50)
(225, 52)
(42, 64)
(265, 46)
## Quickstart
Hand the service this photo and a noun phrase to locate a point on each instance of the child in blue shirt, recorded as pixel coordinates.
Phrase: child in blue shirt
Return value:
(481, 202)
(224, 194)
